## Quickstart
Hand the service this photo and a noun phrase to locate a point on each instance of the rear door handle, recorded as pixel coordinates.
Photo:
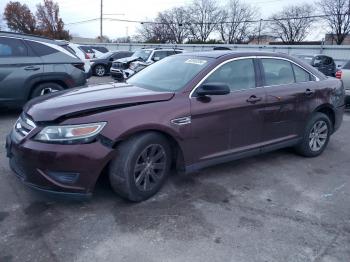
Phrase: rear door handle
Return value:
(309, 92)
(254, 99)
(31, 68)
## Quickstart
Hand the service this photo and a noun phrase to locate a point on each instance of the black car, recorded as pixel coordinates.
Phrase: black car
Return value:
(322, 63)
(31, 66)
(102, 65)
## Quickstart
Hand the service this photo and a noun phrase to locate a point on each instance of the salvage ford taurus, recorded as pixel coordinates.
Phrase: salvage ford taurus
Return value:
(187, 111)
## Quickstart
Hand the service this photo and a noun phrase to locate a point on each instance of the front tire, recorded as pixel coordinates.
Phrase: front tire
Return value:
(100, 70)
(141, 166)
(316, 136)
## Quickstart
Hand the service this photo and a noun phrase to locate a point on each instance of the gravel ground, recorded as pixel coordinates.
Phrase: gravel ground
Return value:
(273, 207)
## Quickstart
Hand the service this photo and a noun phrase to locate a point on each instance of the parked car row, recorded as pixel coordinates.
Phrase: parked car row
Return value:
(122, 69)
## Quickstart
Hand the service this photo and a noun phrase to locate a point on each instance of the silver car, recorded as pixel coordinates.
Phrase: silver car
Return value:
(344, 74)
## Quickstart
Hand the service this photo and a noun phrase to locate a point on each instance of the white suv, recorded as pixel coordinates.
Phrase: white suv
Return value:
(124, 68)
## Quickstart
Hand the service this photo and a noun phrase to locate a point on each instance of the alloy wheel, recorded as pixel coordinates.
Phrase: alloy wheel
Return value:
(318, 135)
(100, 71)
(48, 90)
(150, 167)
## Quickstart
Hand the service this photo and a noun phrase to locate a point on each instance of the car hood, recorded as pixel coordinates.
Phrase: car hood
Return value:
(126, 59)
(92, 99)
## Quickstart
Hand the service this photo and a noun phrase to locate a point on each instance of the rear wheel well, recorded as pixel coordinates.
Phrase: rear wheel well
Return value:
(328, 112)
(59, 82)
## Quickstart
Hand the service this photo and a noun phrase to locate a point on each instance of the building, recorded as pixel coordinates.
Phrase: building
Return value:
(329, 40)
(262, 40)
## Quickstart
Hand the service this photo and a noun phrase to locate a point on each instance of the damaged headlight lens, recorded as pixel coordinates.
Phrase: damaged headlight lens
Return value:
(70, 134)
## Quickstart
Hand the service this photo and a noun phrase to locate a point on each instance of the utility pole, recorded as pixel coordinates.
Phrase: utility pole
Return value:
(260, 31)
(101, 21)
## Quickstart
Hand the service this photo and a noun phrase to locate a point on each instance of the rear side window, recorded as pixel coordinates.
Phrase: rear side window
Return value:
(11, 47)
(277, 72)
(41, 49)
(237, 75)
(300, 74)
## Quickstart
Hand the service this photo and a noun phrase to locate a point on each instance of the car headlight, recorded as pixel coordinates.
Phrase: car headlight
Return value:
(70, 134)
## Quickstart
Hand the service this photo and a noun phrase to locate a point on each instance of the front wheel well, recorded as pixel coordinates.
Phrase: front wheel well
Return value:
(177, 154)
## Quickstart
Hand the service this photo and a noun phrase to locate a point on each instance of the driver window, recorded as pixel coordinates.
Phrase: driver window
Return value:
(237, 75)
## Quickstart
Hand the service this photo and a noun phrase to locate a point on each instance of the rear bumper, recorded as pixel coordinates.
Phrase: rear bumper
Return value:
(64, 170)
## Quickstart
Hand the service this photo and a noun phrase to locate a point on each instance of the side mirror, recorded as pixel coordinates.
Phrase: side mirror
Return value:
(111, 59)
(213, 89)
(156, 58)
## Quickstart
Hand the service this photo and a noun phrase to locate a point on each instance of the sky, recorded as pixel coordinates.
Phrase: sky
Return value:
(78, 10)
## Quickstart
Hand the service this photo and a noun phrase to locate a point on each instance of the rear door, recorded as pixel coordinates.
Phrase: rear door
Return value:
(226, 124)
(18, 65)
(284, 109)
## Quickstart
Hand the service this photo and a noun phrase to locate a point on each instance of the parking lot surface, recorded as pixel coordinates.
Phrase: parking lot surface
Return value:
(274, 207)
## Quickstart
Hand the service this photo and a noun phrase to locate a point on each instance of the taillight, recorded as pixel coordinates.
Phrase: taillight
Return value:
(79, 66)
(338, 74)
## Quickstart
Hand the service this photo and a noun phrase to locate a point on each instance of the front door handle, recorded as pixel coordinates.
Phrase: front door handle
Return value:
(309, 92)
(254, 99)
(31, 68)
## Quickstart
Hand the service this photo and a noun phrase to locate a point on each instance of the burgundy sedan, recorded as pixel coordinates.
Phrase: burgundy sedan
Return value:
(185, 112)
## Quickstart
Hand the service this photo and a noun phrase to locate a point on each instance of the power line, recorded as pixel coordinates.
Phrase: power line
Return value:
(205, 23)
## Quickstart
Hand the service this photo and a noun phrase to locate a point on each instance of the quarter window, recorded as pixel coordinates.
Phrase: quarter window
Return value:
(277, 72)
(237, 75)
(300, 74)
(41, 49)
(11, 47)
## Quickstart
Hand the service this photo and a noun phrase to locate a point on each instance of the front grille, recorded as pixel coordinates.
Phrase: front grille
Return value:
(24, 125)
(119, 65)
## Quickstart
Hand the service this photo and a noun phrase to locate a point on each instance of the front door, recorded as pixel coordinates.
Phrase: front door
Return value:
(222, 125)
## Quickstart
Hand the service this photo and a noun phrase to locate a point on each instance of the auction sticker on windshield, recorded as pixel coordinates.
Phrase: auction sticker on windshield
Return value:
(196, 61)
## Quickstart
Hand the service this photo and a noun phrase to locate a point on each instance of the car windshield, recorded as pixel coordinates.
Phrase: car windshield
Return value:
(170, 74)
(143, 54)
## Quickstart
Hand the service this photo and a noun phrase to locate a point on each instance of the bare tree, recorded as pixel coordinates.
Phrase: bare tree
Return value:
(293, 23)
(176, 21)
(338, 18)
(203, 17)
(238, 30)
(155, 32)
(49, 22)
(19, 18)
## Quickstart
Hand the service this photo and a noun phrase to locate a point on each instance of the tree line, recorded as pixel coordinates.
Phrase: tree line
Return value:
(237, 22)
(45, 22)
(203, 21)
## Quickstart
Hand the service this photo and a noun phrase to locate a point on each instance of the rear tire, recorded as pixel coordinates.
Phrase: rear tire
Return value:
(141, 166)
(100, 70)
(46, 88)
(316, 136)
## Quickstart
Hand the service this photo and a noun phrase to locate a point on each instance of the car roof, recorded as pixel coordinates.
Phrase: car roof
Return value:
(33, 37)
(222, 53)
